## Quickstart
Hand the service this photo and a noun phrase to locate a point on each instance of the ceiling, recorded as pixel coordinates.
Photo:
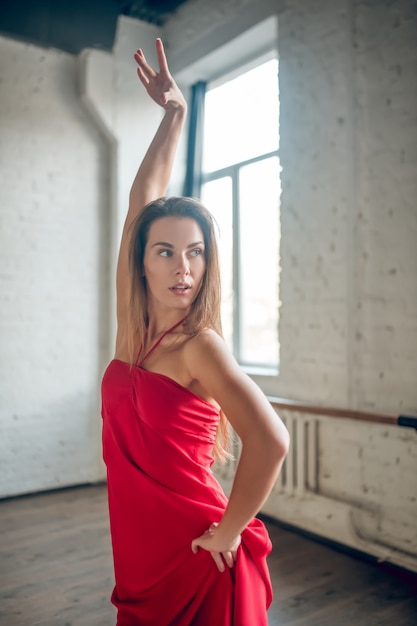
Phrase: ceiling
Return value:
(72, 25)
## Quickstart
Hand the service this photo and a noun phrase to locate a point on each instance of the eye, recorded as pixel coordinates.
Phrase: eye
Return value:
(165, 253)
(196, 252)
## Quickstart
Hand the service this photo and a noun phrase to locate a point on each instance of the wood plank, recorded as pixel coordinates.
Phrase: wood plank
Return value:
(56, 570)
(316, 584)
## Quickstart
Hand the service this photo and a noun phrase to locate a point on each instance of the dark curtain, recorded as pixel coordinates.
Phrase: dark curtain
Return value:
(192, 185)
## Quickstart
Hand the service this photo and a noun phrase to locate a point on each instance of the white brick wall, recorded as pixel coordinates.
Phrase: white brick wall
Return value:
(54, 209)
(316, 201)
(385, 339)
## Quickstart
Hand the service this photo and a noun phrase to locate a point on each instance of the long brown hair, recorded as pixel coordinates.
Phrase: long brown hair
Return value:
(205, 310)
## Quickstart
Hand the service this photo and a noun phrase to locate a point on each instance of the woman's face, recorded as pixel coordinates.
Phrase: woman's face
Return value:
(174, 263)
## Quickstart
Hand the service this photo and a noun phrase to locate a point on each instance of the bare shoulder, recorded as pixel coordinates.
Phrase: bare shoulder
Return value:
(206, 339)
(210, 361)
(208, 349)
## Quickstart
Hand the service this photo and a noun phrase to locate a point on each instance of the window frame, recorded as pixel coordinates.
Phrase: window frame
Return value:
(233, 171)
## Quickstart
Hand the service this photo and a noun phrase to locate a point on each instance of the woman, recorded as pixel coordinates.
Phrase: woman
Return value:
(183, 553)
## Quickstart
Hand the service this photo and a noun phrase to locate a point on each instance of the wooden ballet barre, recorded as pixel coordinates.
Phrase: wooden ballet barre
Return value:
(406, 421)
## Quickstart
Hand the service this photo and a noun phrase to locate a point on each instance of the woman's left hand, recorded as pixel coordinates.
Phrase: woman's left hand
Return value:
(221, 551)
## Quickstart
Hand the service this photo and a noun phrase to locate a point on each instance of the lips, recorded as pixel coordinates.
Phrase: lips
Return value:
(180, 289)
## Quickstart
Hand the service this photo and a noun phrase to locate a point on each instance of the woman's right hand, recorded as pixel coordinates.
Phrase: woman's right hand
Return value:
(160, 86)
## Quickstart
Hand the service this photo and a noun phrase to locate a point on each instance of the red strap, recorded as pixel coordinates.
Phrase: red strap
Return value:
(158, 341)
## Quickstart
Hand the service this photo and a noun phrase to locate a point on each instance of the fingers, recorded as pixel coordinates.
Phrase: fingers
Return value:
(162, 60)
(220, 558)
(145, 71)
(228, 557)
(160, 85)
(217, 558)
(143, 79)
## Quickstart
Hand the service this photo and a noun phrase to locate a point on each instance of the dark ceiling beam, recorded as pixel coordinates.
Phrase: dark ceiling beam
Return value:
(72, 25)
(152, 11)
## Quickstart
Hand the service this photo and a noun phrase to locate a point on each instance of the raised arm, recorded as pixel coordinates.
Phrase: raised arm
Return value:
(152, 179)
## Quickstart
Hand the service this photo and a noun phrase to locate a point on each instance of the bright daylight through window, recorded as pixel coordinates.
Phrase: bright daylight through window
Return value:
(241, 186)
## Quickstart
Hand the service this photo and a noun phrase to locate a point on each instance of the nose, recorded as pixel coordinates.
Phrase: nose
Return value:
(183, 268)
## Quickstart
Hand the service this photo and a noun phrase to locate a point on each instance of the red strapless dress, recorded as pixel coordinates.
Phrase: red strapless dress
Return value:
(157, 445)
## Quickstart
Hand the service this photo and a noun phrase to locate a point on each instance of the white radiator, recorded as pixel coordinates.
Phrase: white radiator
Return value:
(347, 481)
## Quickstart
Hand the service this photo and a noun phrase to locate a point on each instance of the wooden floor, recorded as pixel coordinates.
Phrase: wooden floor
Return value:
(56, 570)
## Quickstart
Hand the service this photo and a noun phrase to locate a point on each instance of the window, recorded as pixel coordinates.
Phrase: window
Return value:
(241, 187)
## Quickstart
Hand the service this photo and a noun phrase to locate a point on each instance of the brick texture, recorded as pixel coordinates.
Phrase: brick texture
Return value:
(53, 169)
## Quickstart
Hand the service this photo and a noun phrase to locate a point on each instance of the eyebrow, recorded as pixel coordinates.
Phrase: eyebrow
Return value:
(165, 244)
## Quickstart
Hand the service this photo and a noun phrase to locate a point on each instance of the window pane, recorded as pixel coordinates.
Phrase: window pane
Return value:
(241, 118)
(259, 188)
(217, 197)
